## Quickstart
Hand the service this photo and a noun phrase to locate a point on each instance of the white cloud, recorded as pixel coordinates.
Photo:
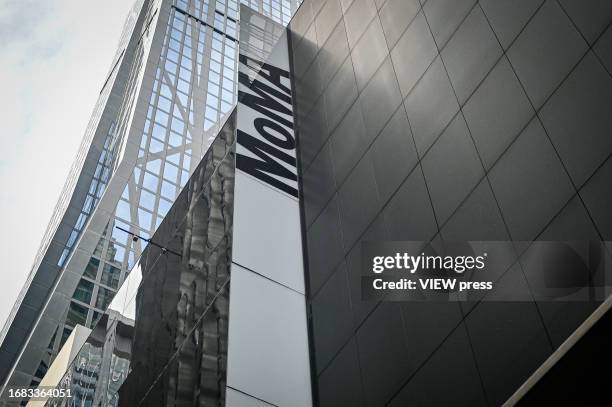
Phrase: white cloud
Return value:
(53, 62)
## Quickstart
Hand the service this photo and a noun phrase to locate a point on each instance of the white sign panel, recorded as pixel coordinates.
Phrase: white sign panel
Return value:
(268, 356)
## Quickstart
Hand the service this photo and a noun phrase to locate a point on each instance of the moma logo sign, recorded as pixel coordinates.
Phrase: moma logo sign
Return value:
(265, 141)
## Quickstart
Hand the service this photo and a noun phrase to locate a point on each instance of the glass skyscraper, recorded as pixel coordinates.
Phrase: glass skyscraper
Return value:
(171, 84)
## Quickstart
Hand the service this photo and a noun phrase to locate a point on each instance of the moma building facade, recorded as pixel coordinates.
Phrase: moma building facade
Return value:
(363, 121)
(447, 121)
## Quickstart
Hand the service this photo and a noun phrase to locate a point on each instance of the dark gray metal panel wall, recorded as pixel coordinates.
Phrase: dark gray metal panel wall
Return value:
(457, 120)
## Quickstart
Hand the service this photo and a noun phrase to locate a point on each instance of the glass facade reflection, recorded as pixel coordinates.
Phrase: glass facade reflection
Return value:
(165, 332)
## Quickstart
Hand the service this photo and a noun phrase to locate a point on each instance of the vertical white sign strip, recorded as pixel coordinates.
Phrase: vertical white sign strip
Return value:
(268, 341)
(268, 355)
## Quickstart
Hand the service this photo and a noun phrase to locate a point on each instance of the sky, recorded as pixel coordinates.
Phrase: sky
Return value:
(54, 57)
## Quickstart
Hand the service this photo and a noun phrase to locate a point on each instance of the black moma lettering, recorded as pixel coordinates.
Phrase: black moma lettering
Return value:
(268, 164)
(270, 72)
(267, 100)
(261, 124)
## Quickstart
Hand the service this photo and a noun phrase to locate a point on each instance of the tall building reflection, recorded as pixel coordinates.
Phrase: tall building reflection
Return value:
(163, 338)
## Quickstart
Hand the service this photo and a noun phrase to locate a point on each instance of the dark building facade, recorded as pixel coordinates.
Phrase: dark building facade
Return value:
(446, 120)
(180, 335)
(163, 339)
